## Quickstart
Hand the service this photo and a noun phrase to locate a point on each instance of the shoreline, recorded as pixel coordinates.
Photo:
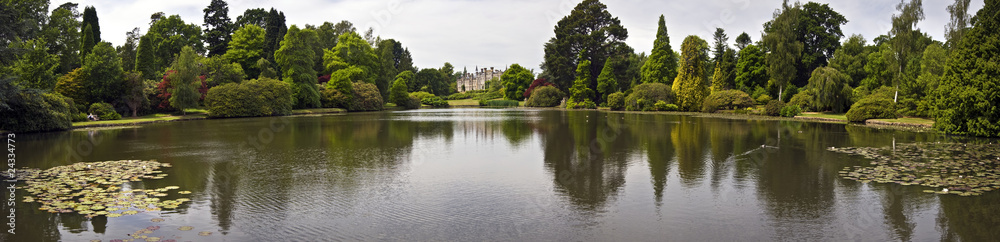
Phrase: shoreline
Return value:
(307, 112)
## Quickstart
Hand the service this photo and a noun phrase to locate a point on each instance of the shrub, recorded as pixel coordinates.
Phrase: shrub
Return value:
(646, 95)
(872, 107)
(585, 104)
(774, 107)
(422, 95)
(545, 96)
(459, 96)
(764, 99)
(535, 84)
(710, 105)
(410, 103)
(366, 98)
(104, 111)
(31, 110)
(730, 99)
(664, 106)
(253, 98)
(333, 98)
(498, 103)
(805, 99)
(791, 111)
(616, 101)
(436, 102)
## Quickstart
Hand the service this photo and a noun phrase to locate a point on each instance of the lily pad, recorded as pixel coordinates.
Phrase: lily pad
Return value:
(185, 228)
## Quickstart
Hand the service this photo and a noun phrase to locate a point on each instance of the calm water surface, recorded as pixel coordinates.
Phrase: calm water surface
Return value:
(507, 175)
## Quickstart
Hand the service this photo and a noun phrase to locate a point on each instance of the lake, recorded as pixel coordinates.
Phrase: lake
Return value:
(507, 175)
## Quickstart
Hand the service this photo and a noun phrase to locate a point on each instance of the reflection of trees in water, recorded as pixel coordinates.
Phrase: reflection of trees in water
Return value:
(970, 218)
(650, 132)
(588, 166)
(689, 141)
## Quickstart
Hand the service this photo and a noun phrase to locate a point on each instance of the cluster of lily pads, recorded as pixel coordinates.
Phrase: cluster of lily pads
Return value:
(146, 234)
(96, 188)
(950, 168)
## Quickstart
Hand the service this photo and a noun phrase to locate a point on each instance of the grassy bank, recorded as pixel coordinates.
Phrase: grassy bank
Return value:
(192, 114)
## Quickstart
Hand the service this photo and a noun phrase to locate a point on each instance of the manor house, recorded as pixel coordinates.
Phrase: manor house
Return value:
(477, 80)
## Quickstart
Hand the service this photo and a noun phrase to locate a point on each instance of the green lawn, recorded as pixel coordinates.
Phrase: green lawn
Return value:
(142, 119)
(839, 116)
(321, 110)
(921, 121)
(464, 102)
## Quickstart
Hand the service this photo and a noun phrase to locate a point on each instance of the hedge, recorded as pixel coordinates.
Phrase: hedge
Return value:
(31, 110)
(616, 101)
(366, 98)
(731, 99)
(436, 102)
(773, 108)
(872, 107)
(258, 97)
(104, 111)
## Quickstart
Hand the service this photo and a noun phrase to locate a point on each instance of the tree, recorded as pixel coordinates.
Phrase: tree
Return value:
(724, 77)
(128, 50)
(295, 60)
(103, 74)
(218, 70)
(253, 16)
(515, 80)
(433, 81)
(86, 42)
(589, 28)
(959, 25)
(780, 40)
(904, 36)
(662, 64)
(691, 87)
(145, 57)
(266, 71)
(580, 93)
(135, 92)
(90, 18)
(878, 69)
(274, 31)
(397, 94)
(62, 35)
(751, 70)
(21, 19)
(851, 58)
(390, 53)
(217, 27)
(351, 50)
(818, 28)
(71, 85)
(719, 49)
(606, 82)
(35, 68)
(246, 47)
(967, 97)
(169, 36)
(185, 81)
(743, 41)
(832, 89)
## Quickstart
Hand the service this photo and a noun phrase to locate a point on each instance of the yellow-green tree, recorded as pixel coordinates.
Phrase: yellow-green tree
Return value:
(691, 85)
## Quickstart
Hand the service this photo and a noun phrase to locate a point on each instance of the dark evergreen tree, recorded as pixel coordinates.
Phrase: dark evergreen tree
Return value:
(218, 27)
(90, 18)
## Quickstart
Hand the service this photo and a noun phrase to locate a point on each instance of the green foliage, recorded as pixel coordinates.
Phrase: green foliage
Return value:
(62, 33)
(644, 96)
(136, 92)
(785, 49)
(879, 69)
(102, 73)
(220, 71)
(725, 71)
(580, 93)
(818, 30)
(498, 103)
(791, 111)
(589, 28)
(275, 30)
(31, 110)
(145, 57)
(35, 67)
(730, 99)
(252, 98)
(71, 85)
(851, 58)
(545, 96)
(832, 89)
(434, 81)
(743, 41)
(171, 35)
(751, 70)
(664, 106)
(295, 59)
(366, 98)
(353, 51)
(662, 64)
(104, 111)
(218, 27)
(266, 69)
(773, 108)
(970, 91)
(422, 95)
(764, 99)
(806, 99)
(616, 101)
(87, 42)
(397, 94)
(872, 107)
(334, 98)
(246, 48)
(515, 80)
(606, 83)
(185, 81)
(90, 18)
(434, 101)
(691, 86)
(410, 102)
(458, 96)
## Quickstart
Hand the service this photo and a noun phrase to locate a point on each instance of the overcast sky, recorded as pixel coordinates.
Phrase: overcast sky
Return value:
(470, 33)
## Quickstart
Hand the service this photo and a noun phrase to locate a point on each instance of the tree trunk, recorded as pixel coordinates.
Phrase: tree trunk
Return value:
(781, 91)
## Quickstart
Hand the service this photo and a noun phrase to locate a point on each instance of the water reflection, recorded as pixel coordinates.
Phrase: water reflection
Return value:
(481, 174)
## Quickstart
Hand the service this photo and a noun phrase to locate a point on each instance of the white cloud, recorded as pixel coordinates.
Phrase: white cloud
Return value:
(470, 33)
